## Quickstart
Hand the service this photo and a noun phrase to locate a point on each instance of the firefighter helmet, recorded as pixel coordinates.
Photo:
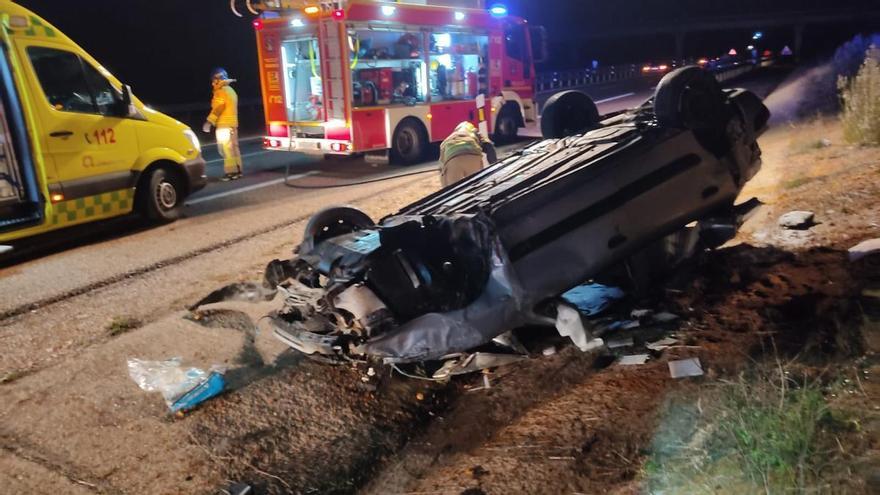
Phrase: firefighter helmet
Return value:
(219, 74)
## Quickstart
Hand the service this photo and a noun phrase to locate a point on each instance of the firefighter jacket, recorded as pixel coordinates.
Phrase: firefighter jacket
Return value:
(224, 106)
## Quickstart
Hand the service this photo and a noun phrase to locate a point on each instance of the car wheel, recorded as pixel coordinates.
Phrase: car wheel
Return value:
(691, 98)
(507, 126)
(163, 197)
(409, 142)
(333, 222)
(568, 113)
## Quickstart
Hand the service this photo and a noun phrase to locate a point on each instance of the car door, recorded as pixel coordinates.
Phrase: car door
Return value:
(85, 129)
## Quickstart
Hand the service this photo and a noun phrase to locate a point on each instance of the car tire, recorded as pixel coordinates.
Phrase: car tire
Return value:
(568, 113)
(409, 142)
(691, 98)
(333, 222)
(507, 124)
(163, 198)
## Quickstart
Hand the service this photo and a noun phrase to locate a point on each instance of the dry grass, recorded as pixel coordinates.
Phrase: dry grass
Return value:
(763, 433)
(861, 104)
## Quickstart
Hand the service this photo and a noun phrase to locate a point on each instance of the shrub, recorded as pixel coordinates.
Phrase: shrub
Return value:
(860, 98)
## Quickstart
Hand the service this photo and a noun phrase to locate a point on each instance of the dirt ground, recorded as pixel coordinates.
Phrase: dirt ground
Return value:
(570, 422)
(71, 421)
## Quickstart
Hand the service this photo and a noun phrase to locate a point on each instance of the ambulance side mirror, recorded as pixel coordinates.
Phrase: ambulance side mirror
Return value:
(126, 108)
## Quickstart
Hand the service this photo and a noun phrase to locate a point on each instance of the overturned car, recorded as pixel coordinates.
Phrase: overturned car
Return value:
(473, 261)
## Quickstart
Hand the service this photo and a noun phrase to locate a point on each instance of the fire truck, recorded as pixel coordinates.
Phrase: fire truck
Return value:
(386, 79)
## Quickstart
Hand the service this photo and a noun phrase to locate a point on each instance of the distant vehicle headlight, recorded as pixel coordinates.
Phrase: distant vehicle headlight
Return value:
(193, 139)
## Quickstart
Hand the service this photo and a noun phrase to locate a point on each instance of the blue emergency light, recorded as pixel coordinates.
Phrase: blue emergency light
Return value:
(498, 10)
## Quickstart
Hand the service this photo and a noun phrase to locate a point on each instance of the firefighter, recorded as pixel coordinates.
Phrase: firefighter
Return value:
(461, 154)
(224, 117)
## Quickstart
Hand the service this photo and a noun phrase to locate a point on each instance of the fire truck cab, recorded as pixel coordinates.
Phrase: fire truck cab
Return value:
(366, 77)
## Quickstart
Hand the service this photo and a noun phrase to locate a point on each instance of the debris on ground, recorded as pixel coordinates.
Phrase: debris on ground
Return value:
(685, 368)
(569, 324)
(634, 359)
(662, 344)
(797, 220)
(593, 299)
(182, 388)
(620, 342)
(863, 249)
(471, 363)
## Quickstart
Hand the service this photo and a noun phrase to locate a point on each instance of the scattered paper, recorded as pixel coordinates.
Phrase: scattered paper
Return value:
(685, 368)
(633, 360)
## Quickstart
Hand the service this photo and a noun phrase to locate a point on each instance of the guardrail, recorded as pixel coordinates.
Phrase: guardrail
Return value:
(549, 82)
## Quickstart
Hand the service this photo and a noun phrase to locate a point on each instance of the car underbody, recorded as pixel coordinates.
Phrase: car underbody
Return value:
(478, 259)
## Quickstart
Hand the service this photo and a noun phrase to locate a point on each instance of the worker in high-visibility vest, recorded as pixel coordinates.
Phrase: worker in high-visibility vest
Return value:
(462, 154)
(224, 117)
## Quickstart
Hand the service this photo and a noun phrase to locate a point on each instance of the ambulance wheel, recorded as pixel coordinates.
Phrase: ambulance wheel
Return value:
(507, 125)
(409, 142)
(568, 113)
(162, 199)
(333, 222)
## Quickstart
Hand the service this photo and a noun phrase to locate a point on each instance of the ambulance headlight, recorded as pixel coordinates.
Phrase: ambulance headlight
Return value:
(193, 139)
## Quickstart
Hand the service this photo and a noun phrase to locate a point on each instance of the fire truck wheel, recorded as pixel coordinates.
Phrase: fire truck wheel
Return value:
(507, 125)
(409, 142)
(333, 222)
(568, 113)
(161, 195)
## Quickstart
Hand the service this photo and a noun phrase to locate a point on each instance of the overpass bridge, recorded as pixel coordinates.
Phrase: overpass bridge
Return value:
(798, 20)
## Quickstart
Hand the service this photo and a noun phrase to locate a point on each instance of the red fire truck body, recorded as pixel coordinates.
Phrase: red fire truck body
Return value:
(374, 76)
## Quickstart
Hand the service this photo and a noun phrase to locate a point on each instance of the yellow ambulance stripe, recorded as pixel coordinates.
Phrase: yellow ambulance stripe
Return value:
(93, 207)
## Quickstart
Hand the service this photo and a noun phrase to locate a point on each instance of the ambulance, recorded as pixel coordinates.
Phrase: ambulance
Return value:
(75, 145)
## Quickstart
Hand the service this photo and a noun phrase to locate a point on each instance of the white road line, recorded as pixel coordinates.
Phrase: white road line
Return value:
(242, 190)
(212, 144)
(606, 100)
(246, 155)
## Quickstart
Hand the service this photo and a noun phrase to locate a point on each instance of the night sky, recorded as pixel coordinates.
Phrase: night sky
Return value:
(165, 49)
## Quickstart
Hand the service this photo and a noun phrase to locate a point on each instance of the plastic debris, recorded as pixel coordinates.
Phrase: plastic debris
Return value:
(617, 343)
(592, 299)
(238, 489)
(638, 314)
(633, 360)
(685, 368)
(662, 344)
(182, 388)
(665, 317)
(797, 220)
(864, 249)
(569, 324)
(624, 325)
